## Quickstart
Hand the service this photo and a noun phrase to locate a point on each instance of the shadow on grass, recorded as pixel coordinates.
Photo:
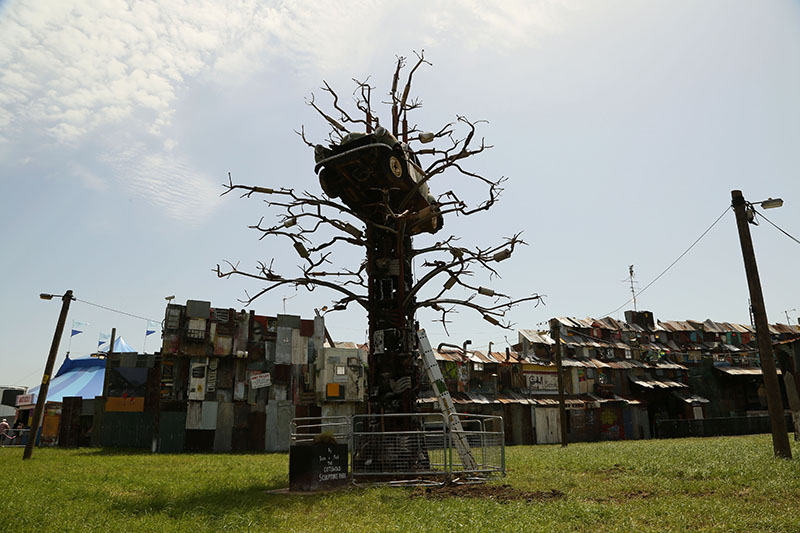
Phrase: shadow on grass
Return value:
(215, 502)
(112, 451)
(142, 451)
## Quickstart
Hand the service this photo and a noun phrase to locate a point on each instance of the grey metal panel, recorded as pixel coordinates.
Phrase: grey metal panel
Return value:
(198, 309)
(278, 392)
(251, 394)
(224, 395)
(88, 406)
(128, 360)
(299, 348)
(243, 334)
(318, 340)
(225, 374)
(194, 415)
(289, 321)
(209, 415)
(127, 430)
(223, 435)
(279, 417)
(269, 351)
(283, 346)
(171, 431)
(221, 315)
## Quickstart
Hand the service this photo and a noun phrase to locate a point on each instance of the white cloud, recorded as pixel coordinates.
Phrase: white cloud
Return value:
(70, 69)
(167, 181)
(119, 58)
(89, 179)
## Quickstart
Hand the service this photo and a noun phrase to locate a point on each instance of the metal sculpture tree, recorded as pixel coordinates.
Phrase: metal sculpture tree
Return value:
(379, 182)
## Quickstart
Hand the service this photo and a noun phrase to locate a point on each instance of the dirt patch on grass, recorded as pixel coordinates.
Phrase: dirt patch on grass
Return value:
(613, 470)
(625, 497)
(500, 493)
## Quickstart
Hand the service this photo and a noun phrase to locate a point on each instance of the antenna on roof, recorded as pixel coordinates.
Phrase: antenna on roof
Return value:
(633, 283)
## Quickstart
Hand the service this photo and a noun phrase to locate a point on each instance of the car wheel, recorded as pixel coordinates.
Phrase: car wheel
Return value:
(396, 167)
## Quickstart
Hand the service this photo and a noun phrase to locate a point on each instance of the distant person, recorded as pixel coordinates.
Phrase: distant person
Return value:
(19, 426)
(5, 438)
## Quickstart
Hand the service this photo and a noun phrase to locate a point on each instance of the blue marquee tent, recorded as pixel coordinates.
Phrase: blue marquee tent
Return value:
(76, 377)
(81, 377)
(120, 346)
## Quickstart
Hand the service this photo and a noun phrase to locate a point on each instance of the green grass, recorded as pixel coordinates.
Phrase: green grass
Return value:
(719, 484)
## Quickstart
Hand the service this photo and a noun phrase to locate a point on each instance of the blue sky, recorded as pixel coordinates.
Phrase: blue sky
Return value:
(622, 127)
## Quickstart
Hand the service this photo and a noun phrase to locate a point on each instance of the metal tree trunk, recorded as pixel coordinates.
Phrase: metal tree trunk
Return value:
(393, 380)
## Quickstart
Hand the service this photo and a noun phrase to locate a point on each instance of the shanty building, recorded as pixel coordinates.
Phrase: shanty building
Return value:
(228, 380)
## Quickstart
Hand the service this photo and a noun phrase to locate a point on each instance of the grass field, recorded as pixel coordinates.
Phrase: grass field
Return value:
(716, 484)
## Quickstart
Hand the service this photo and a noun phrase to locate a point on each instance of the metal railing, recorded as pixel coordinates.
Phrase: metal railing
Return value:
(14, 437)
(306, 430)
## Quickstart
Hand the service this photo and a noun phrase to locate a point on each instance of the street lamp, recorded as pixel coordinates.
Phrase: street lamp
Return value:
(770, 203)
(744, 211)
(48, 371)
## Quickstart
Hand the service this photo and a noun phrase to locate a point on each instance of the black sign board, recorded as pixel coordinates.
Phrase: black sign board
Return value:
(317, 466)
(10, 397)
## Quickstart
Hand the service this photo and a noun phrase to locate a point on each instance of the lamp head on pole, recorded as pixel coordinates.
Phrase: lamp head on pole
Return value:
(771, 203)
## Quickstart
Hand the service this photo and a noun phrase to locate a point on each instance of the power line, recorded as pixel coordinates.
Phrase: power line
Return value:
(777, 227)
(29, 374)
(116, 311)
(673, 263)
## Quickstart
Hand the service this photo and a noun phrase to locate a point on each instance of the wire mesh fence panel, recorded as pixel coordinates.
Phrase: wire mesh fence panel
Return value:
(400, 447)
(485, 455)
(424, 448)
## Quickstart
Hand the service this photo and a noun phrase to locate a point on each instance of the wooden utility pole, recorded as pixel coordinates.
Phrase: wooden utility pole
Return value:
(107, 381)
(555, 334)
(780, 437)
(38, 411)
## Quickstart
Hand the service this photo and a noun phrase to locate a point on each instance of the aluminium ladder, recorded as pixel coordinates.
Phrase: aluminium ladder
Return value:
(446, 402)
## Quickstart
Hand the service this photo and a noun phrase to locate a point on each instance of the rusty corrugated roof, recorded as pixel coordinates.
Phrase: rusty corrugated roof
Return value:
(657, 383)
(742, 370)
(712, 327)
(536, 337)
(689, 397)
(668, 365)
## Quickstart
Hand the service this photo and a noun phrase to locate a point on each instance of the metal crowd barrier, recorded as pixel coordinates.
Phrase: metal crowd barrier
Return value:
(306, 430)
(385, 450)
(486, 437)
(15, 437)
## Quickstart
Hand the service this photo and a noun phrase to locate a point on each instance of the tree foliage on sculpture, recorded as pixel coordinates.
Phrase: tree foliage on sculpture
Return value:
(316, 224)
